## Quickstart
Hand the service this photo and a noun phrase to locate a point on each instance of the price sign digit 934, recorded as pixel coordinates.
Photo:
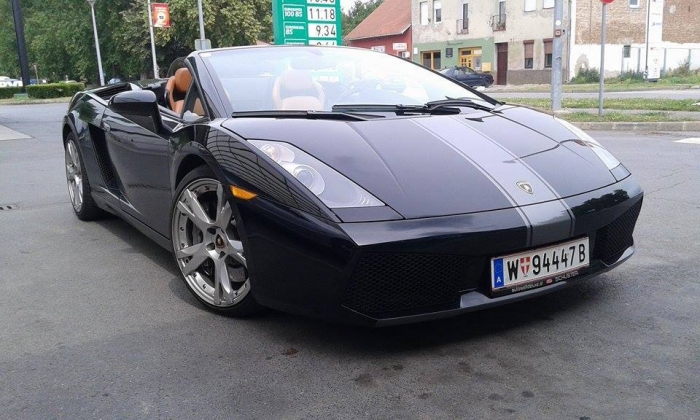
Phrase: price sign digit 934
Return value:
(307, 22)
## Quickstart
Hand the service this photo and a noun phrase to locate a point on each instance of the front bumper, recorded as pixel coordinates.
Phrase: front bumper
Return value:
(395, 272)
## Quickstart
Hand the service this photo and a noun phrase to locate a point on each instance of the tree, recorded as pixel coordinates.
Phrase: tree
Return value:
(357, 13)
(9, 65)
(60, 38)
(226, 22)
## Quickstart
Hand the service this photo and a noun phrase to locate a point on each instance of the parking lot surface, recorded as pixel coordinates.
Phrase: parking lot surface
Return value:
(96, 323)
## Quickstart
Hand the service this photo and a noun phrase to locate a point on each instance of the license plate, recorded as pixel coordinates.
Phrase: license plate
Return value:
(538, 267)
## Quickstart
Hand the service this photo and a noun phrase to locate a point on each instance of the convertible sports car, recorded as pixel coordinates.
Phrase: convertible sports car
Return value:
(347, 184)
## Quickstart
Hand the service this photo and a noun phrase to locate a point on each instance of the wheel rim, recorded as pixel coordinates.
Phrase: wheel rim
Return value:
(74, 175)
(208, 246)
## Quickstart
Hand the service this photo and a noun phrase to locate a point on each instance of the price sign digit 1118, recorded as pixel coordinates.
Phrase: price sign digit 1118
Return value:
(322, 14)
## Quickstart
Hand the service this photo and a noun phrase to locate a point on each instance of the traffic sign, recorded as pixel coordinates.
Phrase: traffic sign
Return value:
(607, 1)
(307, 22)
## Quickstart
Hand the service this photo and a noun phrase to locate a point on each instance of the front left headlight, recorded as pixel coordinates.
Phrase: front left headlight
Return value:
(332, 187)
(608, 159)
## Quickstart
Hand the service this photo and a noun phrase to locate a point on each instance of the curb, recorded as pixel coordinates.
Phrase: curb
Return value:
(640, 126)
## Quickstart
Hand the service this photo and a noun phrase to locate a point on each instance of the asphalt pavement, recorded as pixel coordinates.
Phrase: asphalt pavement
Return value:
(96, 323)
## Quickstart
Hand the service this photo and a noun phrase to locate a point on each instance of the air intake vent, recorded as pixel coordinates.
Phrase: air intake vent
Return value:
(385, 283)
(612, 240)
(6, 207)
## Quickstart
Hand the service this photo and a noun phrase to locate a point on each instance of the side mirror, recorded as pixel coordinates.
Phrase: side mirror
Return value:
(139, 106)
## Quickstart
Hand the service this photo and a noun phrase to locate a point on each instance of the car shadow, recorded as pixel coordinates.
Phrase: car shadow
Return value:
(298, 331)
(140, 243)
(361, 341)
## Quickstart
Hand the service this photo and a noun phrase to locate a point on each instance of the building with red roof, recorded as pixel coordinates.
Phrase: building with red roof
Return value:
(387, 29)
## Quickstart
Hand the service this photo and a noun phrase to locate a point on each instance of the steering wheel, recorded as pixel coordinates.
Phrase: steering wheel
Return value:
(354, 89)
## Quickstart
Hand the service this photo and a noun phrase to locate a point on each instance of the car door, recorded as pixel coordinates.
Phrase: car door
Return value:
(471, 78)
(140, 156)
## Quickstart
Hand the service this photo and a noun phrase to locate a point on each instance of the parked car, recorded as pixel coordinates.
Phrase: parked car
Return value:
(9, 82)
(468, 76)
(280, 177)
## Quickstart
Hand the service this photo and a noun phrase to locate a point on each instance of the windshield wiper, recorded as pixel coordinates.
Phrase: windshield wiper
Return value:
(465, 102)
(397, 109)
(300, 114)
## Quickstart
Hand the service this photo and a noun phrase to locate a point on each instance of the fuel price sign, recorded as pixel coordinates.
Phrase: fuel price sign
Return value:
(307, 22)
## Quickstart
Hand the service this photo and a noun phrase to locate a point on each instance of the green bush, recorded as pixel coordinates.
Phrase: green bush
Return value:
(683, 70)
(586, 76)
(54, 90)
(8, 92)
(630, 76)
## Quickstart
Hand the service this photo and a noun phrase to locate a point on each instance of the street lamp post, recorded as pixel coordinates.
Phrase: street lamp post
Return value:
(97, 42)
(153, 41)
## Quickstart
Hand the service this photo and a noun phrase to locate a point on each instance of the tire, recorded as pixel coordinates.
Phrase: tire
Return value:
(79, 189)
(208, 246)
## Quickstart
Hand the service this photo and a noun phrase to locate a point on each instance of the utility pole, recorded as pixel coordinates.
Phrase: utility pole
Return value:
(601, 87)
(646, 45)
(97, 42)
(202, 43)
(557, 53)
(21, 44)
(153, 41)
(201, 20)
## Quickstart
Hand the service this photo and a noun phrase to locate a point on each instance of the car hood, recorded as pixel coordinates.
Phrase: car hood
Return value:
(425, 166)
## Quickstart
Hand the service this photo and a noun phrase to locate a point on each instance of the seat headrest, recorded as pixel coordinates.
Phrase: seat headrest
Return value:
(183, 78)
(292, 80)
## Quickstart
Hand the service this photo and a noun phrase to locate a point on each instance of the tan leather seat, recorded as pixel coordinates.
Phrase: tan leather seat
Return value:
(296, 90)
(176, 89)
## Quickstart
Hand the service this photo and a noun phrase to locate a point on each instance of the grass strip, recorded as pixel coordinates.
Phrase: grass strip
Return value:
(618, 117)
(614, 103)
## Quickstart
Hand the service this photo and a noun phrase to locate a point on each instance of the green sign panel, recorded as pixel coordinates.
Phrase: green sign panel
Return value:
(307, 22)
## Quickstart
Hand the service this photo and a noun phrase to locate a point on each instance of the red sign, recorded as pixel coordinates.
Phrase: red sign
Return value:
(607, 1)
(161, 15)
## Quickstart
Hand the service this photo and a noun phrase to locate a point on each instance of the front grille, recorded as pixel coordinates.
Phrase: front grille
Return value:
(612, 240)
(383, 283)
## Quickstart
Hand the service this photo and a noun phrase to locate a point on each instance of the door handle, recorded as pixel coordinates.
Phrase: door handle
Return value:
(106, 127)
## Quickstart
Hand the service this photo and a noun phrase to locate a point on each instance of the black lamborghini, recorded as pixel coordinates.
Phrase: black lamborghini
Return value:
(347, 184)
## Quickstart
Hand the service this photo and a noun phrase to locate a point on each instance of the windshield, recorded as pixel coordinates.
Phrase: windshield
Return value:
(317, 78)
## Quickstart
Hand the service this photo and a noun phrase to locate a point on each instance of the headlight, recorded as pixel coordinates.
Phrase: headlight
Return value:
(608, 159)
(334, 189)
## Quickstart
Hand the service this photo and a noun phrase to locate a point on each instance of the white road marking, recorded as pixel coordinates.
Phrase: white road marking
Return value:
(8, 134)
(691, 140)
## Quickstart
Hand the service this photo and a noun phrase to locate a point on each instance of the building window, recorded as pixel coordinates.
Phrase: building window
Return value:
(626, 51)
(634, 3)
(431, 60)
(548, 4)
(463, 24)
(547, 53)
(498, 22)
(424, 13)
(530, 5)
(528, 53)
(437, 11)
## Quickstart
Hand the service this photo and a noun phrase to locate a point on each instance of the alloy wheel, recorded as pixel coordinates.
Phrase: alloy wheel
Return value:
(74, 175)
(208, 246)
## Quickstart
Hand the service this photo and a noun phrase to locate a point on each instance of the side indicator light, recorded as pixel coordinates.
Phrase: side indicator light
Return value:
(242, 194)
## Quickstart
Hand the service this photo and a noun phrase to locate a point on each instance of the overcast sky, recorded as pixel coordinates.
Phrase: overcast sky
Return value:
(346, 4)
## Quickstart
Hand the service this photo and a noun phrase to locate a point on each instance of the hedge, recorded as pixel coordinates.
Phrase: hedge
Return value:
(54, 90)
(8, 92)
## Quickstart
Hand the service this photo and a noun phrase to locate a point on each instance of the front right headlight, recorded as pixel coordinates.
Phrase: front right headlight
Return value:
(332, 187)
